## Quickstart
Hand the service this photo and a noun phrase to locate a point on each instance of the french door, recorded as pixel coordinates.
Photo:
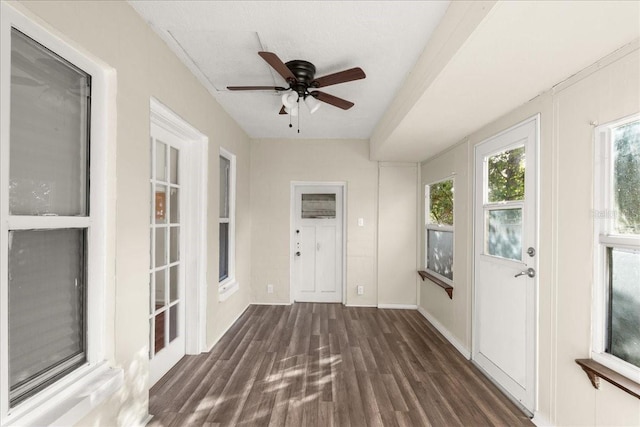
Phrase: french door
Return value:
(167, 267)
(505, 260)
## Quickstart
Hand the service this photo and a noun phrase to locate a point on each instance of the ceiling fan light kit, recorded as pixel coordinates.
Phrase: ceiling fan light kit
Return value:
(290, 100)
(300, 75)
(312, 104)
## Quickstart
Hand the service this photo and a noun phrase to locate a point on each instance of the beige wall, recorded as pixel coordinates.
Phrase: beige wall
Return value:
(145, 67)
(608, 91)
(274, 165)
(397, 237)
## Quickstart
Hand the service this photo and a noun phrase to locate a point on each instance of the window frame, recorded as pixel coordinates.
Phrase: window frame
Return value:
(229, 285)
(56, 401)
(604, 238)
(428, 225)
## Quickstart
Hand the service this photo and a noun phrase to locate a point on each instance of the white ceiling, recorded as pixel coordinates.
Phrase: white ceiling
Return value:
(219, 41)
(519, 50)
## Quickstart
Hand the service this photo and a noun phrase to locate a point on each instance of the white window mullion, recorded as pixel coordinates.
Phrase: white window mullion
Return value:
(47, 222)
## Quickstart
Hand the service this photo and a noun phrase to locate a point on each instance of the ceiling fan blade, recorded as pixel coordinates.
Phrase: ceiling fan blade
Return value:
(275, 62)
(282, 110)
(333, 100)
(276, 88)
(339, 77)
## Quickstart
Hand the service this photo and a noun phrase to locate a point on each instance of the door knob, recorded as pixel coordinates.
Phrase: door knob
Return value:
(529, 272)
(298, 253)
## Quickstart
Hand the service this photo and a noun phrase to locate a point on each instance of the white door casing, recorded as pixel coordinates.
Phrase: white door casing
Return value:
(505, 246)
(317, 243)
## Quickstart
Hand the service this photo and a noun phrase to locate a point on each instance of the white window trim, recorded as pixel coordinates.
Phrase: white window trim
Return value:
(230, 285)
(438, 227)
(75, 395)
(603, 238)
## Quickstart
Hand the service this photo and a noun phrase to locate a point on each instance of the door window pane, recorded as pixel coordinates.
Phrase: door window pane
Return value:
(49, 132)
(626, 178)
(160, 332)
(504, 233)
(160, 297)
(46, 306)
(173, 283)
(161, 251)
(174, 248)
(224, 251)
(161, 161)
(624, 310)
(225, 166)
(440, 252)
(173, 323)
(173, 176)
(160, 202)
(174, 207)
(506, 172)
(318, 206)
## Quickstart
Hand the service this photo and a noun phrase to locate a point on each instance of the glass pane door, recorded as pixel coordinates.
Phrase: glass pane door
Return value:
(165, 287)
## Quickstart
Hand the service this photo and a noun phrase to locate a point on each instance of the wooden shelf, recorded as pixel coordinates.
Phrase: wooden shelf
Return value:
(426, 275)
(595, 371)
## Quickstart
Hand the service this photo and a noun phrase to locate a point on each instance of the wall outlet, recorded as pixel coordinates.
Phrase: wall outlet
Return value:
(360, 222)
(269, 289)
(360, 290)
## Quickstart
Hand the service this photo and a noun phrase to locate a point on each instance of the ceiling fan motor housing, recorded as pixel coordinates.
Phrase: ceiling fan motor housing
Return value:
(305, 72)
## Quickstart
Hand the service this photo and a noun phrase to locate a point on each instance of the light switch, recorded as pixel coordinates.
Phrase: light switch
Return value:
(360, 222)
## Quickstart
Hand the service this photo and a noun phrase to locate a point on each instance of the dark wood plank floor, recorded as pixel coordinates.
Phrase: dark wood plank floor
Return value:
(326, 364)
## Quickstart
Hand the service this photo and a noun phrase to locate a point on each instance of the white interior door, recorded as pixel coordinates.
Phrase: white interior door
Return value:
(317, 243)
(505, 260)
(167, 269)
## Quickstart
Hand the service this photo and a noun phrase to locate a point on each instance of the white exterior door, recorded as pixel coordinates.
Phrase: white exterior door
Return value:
(317, 243)
(167, 269)
(505, 260)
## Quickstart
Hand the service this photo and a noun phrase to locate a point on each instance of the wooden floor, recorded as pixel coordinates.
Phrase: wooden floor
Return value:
(326, 364)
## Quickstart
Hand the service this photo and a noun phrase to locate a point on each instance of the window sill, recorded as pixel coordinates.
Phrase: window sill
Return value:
(595, 371)
(64, 404)
(426, 275)
(227, 288)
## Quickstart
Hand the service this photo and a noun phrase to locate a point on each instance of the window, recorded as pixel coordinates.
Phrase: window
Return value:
(504, 203)
(226, 272)
(617, 224)
(439, 229)
(52, 236)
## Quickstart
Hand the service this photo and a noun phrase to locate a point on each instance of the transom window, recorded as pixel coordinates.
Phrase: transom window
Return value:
(617, 224)
(439, 229)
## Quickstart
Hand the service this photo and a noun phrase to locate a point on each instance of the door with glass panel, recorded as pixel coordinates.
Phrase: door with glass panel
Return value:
(166, 275)
(317, 243)
(505, 260)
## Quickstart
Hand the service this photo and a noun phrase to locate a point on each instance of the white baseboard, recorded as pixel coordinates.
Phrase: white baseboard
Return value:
(444, 331)
(362, 305)
(227, 329)
(541, 420)
(271, 303)
(399, 306)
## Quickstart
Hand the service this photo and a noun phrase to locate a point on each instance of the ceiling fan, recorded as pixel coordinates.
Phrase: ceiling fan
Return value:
(300, 75)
